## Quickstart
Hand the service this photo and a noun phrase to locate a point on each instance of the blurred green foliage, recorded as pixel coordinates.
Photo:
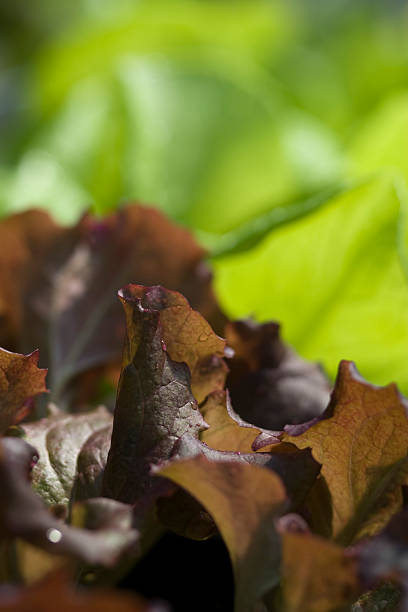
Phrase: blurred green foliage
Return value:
(277, 131)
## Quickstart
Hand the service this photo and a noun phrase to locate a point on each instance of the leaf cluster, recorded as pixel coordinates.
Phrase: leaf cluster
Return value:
(238, 437)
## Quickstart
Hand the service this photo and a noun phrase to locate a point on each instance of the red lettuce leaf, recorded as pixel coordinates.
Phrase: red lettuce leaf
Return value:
(59, 284)
(297, 469)
(270, 385)
(20, 381)
(317, 575)
(56, 590)
(361, 442)
(59, 439)
(154, 406)
(24, 515)
(243, 501)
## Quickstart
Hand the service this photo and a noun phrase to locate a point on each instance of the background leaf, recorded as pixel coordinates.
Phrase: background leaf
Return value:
(60, 284)
(346, 298)
(20, 382)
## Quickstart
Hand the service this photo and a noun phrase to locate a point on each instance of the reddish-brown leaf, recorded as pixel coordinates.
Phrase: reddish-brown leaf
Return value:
(361, 442)
(59, 285)
(26, 240)
(24, 515)
(56, 592)
(154, 406)
(226, 431)
(296, 468)
(187, 336)
(60, 439)
(317, 576)
(20, 381)
(270, 384)
(243, 501)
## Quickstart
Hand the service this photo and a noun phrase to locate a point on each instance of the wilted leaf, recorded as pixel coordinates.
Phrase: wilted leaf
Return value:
(20, 381)
(59, 440)
(63, 298)
(317, 576)
(270, 384)
(23, 515)
(361, 442)
(155, 406)
(243, 500)
(56, 590)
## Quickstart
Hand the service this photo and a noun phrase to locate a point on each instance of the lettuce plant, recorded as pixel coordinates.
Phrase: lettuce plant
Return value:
(238, 437)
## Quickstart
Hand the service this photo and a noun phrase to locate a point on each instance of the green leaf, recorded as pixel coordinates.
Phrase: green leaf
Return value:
(380, 141)
(154, 27)
(334, 279)
(111, 123)
(250, 233)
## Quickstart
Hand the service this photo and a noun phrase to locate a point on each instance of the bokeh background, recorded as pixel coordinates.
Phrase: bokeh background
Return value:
(276, 131)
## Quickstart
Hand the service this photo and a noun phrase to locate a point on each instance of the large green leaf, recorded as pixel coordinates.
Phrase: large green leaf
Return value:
(171, 112)
(214, 111)
(381, 141)
(177, 135)
(335, 279)
(199, 30)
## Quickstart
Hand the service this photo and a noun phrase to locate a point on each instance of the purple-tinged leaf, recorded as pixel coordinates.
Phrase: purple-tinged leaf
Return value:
(243, 501)
(297, 470)
(20, 382)
(59, 285)
(361, 442)
(59, 439)
(24, 515)
(154, 406)
(56, 590)
(270, 384)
